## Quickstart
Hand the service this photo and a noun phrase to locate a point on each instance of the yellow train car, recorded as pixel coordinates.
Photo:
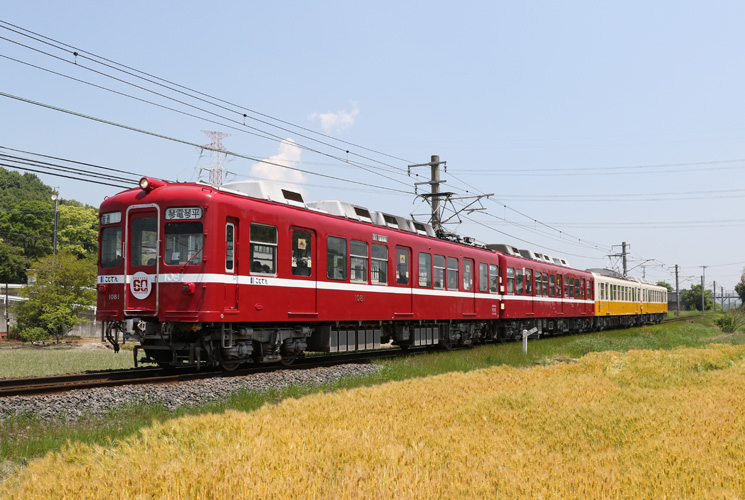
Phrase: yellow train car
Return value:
(623, 301)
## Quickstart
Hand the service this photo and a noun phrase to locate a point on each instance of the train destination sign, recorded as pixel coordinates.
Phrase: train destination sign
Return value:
(111, 218)
(184, 213)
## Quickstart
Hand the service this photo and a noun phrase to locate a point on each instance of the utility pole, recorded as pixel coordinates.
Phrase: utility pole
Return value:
(715, 296)
(435, 193)
(438, 200)
(435, 165)
(703, 276)
(721, 289)
(623, 257)
(55, 199)
(677, 292)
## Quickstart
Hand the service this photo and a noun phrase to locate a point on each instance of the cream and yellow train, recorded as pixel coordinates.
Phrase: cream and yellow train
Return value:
(623, 301)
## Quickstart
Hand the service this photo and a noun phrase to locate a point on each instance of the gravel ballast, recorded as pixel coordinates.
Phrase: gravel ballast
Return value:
(74, 405)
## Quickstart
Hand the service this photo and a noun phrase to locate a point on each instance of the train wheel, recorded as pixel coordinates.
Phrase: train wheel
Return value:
(289, 360)
(230, 366)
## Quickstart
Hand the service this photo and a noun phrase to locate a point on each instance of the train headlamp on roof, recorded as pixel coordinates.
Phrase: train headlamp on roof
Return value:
(148, 183)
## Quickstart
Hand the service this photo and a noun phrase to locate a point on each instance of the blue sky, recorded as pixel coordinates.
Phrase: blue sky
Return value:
(594, 123)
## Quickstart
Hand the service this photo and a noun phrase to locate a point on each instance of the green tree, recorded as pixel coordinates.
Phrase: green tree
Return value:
(740, 287)
(692, 298)
(77, 230)
(666, 285)
(12, 264)
(62, 287)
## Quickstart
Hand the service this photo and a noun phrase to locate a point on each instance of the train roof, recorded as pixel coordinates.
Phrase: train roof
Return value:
(609, 273)
(271, 192)
(527, 254)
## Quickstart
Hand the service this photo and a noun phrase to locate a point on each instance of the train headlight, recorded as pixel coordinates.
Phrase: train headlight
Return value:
(148, 183)
(102, 288)
(188, 288)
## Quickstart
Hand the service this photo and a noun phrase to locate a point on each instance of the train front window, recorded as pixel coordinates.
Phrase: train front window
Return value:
(111, 246)
(143, 250)
(184, 243)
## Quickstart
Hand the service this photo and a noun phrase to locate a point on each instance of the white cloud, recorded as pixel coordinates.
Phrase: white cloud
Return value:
(288, 155)
(339, 121)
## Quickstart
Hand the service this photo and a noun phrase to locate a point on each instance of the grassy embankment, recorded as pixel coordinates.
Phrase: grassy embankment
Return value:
(27, 439)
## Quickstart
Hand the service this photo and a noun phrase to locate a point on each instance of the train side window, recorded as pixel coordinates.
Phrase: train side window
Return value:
(336, 258)
(439, 271)
(379, 264)
(510, 280)
(402, 266)
(538, 285)
(528, 282)
(483, 277)
(425, 270)
(111, 246)
(452, 273)
(582, 289)
(302, 252)
(551, 285)
(229, 247)
(263, 240)
(545, 284)
(559, 279)
(493, 278)
(589, 290)
(467, 274)
(358, 261)
(519, 281)
(183, 243)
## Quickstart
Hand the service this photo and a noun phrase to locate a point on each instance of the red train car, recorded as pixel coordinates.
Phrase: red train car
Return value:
(247, 272)
(543, 293)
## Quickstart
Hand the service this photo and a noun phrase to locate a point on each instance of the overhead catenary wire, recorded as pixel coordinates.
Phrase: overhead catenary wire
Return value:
(181, 141)
(257, 132)
(532, 219)
(80, 53)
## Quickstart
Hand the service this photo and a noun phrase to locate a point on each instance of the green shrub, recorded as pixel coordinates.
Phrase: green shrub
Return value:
(732, 320)
(34, 334)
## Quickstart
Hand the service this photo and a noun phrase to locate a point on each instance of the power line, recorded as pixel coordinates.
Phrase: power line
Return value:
(181, 141)
(80, 52)
(534, 220)
(602, 170)
(258, 133)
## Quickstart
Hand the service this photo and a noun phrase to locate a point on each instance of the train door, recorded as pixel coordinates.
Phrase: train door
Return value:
(142, 247)
(404, 282)
(529, 287)
(302, 301)
(231, 265)
(469, 308)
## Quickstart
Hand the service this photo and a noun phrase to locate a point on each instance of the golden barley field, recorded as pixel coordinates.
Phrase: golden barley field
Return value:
(642, 424)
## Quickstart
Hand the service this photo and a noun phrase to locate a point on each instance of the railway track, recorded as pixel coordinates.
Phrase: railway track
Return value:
(63, 383)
